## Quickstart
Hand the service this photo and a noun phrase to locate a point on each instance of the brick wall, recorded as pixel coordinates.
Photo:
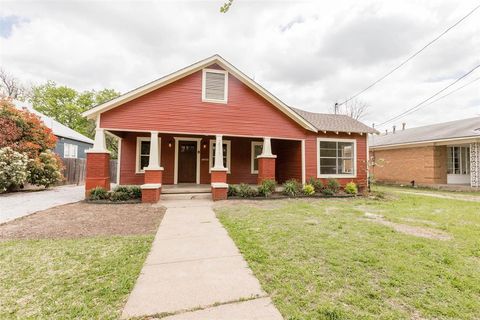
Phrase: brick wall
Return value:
(425, 165)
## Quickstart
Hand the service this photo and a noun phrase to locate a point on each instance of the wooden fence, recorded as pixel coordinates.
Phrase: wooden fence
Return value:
(74, 171)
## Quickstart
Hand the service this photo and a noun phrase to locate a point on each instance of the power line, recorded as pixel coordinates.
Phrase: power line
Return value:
(410, 57)
(451, 92)
(419, 105)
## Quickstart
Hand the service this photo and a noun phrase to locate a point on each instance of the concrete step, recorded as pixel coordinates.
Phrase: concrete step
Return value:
(186, 196)
(186, 189)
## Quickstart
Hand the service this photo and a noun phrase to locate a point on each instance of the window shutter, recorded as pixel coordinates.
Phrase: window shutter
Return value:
(215, 86)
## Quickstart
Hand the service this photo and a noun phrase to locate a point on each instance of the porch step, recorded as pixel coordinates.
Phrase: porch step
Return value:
(179, 189)
(186, 196)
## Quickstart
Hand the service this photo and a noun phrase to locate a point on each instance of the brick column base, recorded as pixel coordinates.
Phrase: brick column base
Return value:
(219, 184)
(152, 187)
(97, 171)
(266, 168)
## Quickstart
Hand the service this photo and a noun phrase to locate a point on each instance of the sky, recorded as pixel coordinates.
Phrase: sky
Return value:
(310, 54)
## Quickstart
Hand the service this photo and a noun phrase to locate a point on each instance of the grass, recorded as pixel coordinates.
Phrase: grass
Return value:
(322, 259)
(429, 190)
(86, 278)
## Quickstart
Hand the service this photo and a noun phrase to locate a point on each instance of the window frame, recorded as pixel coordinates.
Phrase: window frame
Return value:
(138, 170)
(464, 164)
(210, 154)
(204, 83)
(68, 146)
(252, 155)
(354, 159)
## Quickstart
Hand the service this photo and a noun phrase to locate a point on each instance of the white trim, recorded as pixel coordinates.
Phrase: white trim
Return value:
(225, 89)
(210, 154)
(304, 172)
(151, 186)
(439, 142)
(219, 185)
(119, 157)
(149, 87)
(252, 153)
(346, 176)
(71, 147)
(175, 170)
(137, 153)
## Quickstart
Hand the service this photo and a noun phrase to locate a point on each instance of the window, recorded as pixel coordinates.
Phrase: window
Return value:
(336, 158)
(215, 86)
(143, 153)
(226, 154)
(458, 160)
(70, 150)
(257, 147)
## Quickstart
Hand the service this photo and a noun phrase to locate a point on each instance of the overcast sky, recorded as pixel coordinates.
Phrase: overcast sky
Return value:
(309, 53)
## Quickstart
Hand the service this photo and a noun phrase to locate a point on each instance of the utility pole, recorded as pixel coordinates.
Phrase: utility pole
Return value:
(336, 107)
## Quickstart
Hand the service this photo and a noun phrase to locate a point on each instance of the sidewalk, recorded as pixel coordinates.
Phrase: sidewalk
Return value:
(195, 271)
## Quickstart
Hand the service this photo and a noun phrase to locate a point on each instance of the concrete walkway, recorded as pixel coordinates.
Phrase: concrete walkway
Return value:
(18, 204)
(195, 271)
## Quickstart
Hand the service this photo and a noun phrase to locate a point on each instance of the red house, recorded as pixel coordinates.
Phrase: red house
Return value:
(210, 103)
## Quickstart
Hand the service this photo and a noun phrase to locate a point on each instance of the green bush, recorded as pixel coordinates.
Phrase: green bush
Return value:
(267, 187)
(292, 188)
(316, 183)
(232, 190)
(333, 185)
(328, 192)
(120, 196)
(308, 190)
(13, 169)
(99, 193)
(246, 191)
(351, 188)
(134, 192)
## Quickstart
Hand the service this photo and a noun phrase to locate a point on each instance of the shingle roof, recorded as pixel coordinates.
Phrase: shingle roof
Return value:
(58, 129)
(465, 128)
(334, 122)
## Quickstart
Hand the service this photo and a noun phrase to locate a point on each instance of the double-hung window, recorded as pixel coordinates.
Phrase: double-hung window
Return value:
(70, 150)
(143, 153)
(336, 158)
(257, 147)
(226, 154)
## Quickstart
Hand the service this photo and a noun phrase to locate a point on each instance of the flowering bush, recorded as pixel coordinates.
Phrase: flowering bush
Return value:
(45, 170)
(13, 169)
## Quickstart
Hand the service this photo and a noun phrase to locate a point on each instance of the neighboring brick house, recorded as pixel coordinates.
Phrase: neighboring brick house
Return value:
(211, 103)
(443, 153)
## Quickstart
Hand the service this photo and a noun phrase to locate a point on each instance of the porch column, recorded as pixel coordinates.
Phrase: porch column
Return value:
(475, 164)
(151, 189)
(266, 162)
(218, 177)
(98, 164)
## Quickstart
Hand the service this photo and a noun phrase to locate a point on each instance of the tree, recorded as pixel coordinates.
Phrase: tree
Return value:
(226, 6)
(355, 109)
(10, 86)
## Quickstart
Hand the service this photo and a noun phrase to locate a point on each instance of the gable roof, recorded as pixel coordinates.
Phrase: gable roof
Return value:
(334, 122)
(452, 130)
(149, 87)
(57, 128)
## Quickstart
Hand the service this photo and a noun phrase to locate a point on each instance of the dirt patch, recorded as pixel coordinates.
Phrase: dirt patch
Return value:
(82, 219)
(422, 232)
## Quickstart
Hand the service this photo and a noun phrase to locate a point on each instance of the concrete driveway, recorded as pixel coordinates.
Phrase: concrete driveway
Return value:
(195, 271)
(18, 204)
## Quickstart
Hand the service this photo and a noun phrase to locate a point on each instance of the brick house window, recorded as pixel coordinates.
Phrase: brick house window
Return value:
(143, 153)
(336, 158)
(458, 160)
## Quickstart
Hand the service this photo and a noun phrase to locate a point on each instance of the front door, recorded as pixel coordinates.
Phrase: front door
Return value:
(187, 162)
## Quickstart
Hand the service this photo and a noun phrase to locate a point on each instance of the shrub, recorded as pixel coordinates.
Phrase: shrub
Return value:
(120, 196)
(98, 193)
(45, 170)
(333, 185)
(133, 192)
(267, 187)
(232, 190)
(13, 169)
(351, 188)
(316, 183)
(292, 187)
(328, 192)
(308, 190)
(246, 191)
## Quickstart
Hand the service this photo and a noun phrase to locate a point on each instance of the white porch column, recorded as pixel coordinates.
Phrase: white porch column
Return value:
(266, 149)
(99, 144)
(154, 161)
(475, 164)
(218, 165)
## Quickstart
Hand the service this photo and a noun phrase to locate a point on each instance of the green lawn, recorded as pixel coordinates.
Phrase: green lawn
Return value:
(86, 278)
(322, 259)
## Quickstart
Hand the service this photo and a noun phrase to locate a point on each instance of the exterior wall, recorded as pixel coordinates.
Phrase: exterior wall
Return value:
(426, 165)
(178, 108)
(289, 160)
(82, 147)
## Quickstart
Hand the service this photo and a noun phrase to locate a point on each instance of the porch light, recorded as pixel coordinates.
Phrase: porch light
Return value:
(204, 145)
(170, 143)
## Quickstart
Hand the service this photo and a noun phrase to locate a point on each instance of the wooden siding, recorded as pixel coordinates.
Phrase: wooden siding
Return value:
(178, 108)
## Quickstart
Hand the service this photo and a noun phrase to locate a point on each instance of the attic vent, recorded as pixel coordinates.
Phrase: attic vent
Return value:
(215, 85)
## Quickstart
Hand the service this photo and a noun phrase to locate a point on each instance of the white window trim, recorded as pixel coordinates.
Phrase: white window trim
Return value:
(346, 176)
(210, 154)
(204, 72)
(175, 169)
(252, 154)
(68, 155)
(137, 153)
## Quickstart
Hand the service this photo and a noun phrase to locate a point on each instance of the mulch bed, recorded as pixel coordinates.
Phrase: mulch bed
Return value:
(275, 196)
(83, 219)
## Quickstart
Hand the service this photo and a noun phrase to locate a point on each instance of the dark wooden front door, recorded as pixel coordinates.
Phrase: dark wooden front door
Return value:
(187, 162)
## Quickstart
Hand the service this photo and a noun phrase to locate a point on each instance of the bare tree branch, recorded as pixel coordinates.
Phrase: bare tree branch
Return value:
(355, 109)
(10, 86)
